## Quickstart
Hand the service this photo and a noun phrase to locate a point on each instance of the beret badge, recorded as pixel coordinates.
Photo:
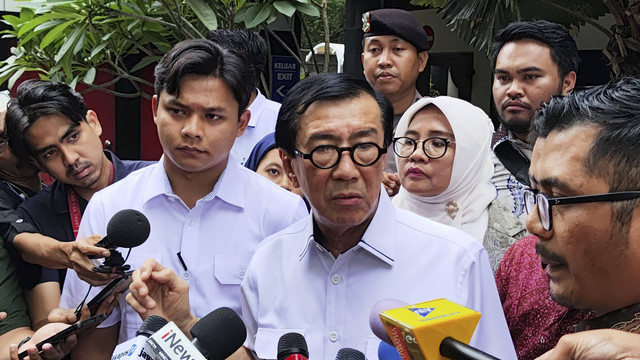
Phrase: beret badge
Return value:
(366, 26)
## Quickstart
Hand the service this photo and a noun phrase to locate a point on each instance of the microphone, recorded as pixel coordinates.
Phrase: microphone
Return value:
(136, 348)
(216, 337)
(387, 352)
(127, 228)
(349, 354)
(375, 323)
(433, 330)
(292, 346)
(219, 334)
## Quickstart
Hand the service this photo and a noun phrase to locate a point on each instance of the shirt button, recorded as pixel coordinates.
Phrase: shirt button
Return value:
(241, 274)
(185, 275)
(335, 279)
(333, 336)
(19, 221)
(190, 221)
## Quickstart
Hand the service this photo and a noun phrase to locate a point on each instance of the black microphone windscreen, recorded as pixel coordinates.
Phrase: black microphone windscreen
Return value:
(290, 344)
(128, 228)
(374, 317)
(349, 354)
(151, 325)
(220, 333)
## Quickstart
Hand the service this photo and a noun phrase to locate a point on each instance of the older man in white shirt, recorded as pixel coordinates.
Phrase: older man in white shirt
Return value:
(322, 275)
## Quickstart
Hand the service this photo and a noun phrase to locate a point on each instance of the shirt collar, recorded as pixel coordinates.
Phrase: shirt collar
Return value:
(377, 239)
(256, 108)
(502, 134)
(625, 319)
(226, 188)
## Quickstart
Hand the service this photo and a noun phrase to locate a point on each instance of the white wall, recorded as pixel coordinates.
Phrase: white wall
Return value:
(11, 5)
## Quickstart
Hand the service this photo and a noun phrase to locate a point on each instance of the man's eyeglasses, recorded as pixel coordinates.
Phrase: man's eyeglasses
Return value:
(328, 156)
(533, 197)
(433, 147)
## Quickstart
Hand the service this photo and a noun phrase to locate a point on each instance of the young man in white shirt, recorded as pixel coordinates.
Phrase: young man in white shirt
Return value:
(207, 214)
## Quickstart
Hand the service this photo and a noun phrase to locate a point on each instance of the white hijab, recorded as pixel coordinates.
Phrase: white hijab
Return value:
(470, 185)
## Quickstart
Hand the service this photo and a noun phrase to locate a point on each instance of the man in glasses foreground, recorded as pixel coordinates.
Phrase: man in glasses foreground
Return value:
(322, 276)
(582, 205)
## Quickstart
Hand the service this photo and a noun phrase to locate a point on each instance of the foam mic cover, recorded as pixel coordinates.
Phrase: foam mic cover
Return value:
(375, 323)
(127, 228)
(151, 325)
(349, 354)
(219, 334)
(292, 346)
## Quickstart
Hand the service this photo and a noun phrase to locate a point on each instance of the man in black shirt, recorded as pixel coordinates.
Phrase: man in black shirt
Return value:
(50, 125)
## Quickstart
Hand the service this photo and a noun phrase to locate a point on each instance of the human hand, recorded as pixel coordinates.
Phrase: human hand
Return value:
(69, 316)
(78, 253)
(596, 345)
(49, 351)
(3, 315)
(391, 183)
(157, 290)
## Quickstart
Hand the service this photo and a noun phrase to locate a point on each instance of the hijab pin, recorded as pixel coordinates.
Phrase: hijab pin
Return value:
(451, 208)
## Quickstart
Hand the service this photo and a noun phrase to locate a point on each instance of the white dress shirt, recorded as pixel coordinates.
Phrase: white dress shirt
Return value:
(264, 114)
(216, 238)
(294, 284)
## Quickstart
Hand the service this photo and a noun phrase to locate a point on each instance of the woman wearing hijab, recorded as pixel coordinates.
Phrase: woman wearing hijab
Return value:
(265, 160)
(442, 148)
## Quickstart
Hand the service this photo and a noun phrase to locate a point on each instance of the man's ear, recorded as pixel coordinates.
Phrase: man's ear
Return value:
(424, 57)
(243, 121)
(154, 108)
(287, 164)
(569, 82)
(94, 123)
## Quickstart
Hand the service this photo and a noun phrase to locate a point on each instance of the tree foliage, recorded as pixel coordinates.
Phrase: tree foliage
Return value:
(72, 41)
(478, 21)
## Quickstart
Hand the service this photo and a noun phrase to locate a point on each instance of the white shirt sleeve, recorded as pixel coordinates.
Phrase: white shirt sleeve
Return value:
(74, 289)
(483, 297)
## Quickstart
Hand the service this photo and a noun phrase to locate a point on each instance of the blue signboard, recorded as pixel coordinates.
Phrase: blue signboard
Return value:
(285, 72)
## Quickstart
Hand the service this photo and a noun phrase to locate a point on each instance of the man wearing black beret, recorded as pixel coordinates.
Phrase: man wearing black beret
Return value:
(394, 54)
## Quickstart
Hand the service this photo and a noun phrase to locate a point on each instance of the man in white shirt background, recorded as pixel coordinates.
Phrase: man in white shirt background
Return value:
(201, 225)
(322, 276)
(252, 49)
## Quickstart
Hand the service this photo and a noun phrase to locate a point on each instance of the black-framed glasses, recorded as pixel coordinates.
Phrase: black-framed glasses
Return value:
(328, 156)
(533, 197)
(433, 147)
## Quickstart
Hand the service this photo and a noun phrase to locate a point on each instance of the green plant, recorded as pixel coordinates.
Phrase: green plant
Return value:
(73, 41)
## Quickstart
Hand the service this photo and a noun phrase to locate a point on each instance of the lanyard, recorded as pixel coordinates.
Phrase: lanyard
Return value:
(74, 205)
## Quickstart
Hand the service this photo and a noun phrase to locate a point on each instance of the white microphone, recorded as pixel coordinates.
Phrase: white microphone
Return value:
(136, 348)
(170, 343)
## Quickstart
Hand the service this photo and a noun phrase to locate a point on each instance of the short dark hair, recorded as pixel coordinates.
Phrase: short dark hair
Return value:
(613, 157)
(247, 44)
(37, 98)
(564, 51)
(325, 87)
(203, 57)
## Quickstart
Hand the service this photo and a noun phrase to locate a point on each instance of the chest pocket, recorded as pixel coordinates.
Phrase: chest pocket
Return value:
(231, 269)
